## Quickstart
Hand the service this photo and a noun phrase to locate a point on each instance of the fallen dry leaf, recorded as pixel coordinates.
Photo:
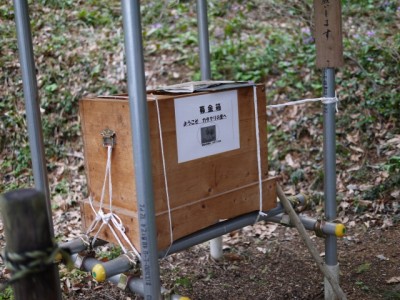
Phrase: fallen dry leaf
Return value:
(382, 257)
(233, 257)
(393, 280)
(262, 250)
(289, 160)
(357, 149)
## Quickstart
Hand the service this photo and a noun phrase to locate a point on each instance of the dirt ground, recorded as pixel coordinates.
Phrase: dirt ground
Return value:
(276, 265)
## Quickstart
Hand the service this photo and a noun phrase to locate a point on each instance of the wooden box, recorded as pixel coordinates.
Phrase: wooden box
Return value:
(202, 189)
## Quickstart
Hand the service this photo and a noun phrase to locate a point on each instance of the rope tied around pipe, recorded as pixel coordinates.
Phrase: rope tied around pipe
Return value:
(324, 100)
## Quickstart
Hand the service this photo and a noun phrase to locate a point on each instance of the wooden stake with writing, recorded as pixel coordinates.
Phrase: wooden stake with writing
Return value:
(328, 33)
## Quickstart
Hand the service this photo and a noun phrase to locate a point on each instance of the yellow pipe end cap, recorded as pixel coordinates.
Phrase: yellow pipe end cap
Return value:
(99, 273)
(184, 298)
(340, 230)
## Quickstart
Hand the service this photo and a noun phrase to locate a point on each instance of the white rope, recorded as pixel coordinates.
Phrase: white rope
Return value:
(104, 219)
(261, 213)
(171, 234)
(324, 100)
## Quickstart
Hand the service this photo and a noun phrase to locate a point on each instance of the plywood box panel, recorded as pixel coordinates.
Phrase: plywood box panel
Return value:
(193, 216)
(192, 184)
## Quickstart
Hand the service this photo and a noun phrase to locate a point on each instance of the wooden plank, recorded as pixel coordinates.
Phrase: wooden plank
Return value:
(194, 216)
(221, 175)
(204, 213)
(95, 118)
(328, 33)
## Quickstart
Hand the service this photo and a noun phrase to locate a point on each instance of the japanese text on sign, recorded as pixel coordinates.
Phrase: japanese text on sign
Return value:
(328, 33)
(206, 125)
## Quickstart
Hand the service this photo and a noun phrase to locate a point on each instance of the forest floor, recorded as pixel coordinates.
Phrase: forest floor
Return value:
(79, 51)
(269, 261)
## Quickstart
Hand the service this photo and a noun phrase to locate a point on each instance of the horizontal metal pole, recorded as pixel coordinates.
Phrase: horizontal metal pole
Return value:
(104, 270)
(322, 228)
(80, 244)
(275, 215)
(224, 227)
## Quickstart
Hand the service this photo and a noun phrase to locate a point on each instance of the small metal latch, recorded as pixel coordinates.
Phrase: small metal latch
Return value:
(108, 137)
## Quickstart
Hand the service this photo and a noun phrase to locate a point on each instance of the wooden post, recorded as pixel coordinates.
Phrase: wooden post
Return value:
(26, 228)
(328, 33)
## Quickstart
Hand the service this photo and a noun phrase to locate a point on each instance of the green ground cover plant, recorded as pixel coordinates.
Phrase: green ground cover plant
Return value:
(79, 50)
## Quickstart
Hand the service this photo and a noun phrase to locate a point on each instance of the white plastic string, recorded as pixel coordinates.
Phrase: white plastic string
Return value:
(171, 234)
(258, 151)
(106, 218)
(324, 100)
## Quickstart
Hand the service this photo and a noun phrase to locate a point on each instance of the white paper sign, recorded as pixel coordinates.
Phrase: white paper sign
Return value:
(206, 125)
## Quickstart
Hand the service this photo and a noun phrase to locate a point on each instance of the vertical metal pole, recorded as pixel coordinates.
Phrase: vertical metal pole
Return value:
(204, 45)
(141, 147)
(330, 176)
(204, 51)
(25, 50)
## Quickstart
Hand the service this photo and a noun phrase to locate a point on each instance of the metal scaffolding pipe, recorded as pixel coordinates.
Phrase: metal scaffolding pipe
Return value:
(322, 229)
(204, 45)
(230, 225)
(204, 53)
(80, 244)
(104, 270)
(330, 162)
(275, 215)
(221, 228)
(136, 285)
(77, 245)
(330, 175)
(32, 105)
(141, 146)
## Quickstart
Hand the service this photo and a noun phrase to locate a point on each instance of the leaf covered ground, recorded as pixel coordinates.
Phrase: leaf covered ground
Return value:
(78, 49)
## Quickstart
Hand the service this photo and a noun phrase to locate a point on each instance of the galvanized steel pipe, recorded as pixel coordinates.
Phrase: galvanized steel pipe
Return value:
(32, 103)
(141, 147)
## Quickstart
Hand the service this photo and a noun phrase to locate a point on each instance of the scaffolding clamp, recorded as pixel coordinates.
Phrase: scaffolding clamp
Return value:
(299, 202)
(318, 228)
